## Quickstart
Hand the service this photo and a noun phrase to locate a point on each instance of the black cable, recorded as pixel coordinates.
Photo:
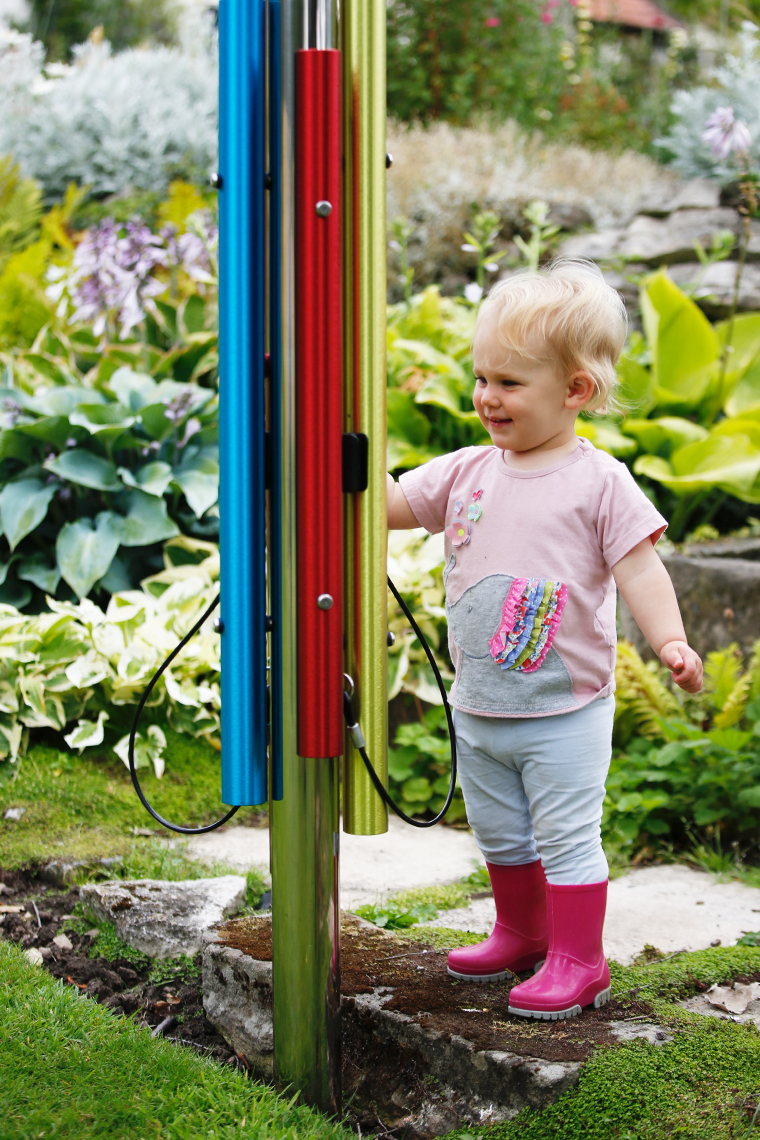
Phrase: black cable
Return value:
(348, 711)
(133, 733)
(359, 742)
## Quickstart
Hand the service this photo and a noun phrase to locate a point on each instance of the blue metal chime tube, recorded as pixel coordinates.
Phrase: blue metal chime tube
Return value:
(242, 399)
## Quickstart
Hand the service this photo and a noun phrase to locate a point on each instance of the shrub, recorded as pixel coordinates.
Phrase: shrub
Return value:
(108, 122)
(734, 83)
(108, 446)
(80, 664)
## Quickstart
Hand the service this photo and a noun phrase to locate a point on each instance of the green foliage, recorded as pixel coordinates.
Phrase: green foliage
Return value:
(107, 944)
(124, 23)
(430, 379)
(541, 234)
(450, 61)
(419, 767)
(20, 210)
(107, 448)
(694, 768)
(73, 1070)
(392, 917)
(486, 227)
(79, 663)
(694, 393)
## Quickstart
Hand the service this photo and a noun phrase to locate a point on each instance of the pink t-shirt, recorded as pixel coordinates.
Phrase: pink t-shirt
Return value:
(530, 598)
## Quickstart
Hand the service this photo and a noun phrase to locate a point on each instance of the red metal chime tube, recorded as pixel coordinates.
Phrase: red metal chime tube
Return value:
(319, 402)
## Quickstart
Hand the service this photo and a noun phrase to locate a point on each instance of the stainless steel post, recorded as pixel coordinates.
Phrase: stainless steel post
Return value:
(305, 822)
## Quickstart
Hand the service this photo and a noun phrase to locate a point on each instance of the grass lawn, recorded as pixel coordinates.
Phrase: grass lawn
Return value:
(86, 806)
(70, 1068)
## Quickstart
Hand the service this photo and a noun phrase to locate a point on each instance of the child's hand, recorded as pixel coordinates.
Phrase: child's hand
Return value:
(684, 663)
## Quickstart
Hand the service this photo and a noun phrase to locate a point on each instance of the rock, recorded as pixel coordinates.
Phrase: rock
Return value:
(162, 919)
(237, 995)
(663, 242)
(738, 1002)
(715, 289)
(465, 1085)
(569, 216)
(6, 890)
(745, 548)
(34, 956)
(62, 942)
(697, 194)
(599, 246)
(13, 815)
(63, 873)
(719, 600)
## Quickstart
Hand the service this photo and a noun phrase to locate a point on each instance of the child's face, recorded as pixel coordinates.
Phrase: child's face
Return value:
(523, 403)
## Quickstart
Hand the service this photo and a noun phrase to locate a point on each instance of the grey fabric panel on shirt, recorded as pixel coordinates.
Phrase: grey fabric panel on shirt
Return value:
(482, 685)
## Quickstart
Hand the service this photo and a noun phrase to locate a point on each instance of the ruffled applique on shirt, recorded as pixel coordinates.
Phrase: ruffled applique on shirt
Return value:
(529, 622)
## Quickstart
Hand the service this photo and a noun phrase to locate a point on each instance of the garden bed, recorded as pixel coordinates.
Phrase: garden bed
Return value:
(132, 985)
(416, 974)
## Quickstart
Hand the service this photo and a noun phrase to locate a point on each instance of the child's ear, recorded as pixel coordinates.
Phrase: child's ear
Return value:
(580, 389)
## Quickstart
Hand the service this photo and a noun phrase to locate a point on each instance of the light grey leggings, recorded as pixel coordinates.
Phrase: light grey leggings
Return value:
(535, 785)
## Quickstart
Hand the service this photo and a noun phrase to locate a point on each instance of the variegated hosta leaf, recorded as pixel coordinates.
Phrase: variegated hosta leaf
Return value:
(149, 749)
(87, 733)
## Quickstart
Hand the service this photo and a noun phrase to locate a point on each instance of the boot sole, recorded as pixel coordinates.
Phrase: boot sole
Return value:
(560, 1014)
(501, 976)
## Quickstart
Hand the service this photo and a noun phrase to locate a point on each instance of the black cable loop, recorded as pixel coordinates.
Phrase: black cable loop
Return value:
(358, 739)
(133, 734)
(350, 717)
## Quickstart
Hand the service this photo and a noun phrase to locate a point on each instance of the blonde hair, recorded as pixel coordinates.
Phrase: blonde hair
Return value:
(570, 307)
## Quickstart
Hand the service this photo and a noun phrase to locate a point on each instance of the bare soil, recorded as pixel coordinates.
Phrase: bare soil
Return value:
(120, 984)
(418, 984)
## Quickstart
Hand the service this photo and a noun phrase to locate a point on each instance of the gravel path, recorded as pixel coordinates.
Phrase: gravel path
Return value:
(671, 907)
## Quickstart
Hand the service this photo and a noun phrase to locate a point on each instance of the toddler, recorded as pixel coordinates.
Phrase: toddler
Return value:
(539, 530)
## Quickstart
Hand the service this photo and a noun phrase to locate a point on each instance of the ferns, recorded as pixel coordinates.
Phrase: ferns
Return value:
(20, 210)
(640, 698)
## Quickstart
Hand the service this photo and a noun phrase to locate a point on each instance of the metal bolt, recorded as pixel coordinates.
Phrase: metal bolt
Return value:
(325, 601)
(218, 625)
(388, 161)
(391, 637)
(323, 208)
(216, 180)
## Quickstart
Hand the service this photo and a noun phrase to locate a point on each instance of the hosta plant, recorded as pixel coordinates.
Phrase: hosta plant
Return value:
(80, 670)
(108, 424)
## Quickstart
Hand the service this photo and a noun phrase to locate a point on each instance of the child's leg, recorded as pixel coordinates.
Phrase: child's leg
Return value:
(564, 775)
(497, 810)
(497, 806)
(564, 762)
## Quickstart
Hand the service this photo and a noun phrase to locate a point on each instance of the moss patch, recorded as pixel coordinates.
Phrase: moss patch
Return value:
(83, 807)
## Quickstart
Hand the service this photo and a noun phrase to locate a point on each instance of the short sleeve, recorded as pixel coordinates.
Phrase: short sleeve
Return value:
(626, 516)
(427, 489)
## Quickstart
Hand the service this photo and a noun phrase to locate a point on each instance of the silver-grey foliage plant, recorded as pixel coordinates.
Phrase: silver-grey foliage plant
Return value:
(133, 120)
(735, 83)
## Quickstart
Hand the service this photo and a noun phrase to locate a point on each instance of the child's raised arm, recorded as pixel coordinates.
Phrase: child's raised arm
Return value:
(648, 591)
(400, 515)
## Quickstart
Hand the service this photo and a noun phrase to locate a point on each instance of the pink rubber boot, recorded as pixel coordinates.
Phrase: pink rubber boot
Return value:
(575, 973)
(519, 939)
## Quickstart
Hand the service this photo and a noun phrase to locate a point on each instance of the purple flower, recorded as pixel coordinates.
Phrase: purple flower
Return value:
(112, 275)
(724, 133)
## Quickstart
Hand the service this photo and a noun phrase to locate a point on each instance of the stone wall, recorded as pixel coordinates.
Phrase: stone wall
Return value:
(718, 589)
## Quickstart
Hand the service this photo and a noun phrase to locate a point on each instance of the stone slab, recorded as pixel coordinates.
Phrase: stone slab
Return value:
(696, 194)
(713, 288)
(370, 865)
(467, 1085)
(719, 600)
(670, 906)
(65, 872)
(163, 919)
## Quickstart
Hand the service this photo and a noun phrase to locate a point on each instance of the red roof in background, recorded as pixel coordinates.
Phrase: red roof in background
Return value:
(633, 13)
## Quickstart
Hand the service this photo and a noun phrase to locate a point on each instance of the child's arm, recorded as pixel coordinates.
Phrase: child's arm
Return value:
(400, 516)
(648, 591)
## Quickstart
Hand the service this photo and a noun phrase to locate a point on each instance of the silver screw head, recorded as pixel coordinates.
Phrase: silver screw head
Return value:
(216, 180)
(388, 161)
(218, 625)
(325, 601)
(323, 208)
